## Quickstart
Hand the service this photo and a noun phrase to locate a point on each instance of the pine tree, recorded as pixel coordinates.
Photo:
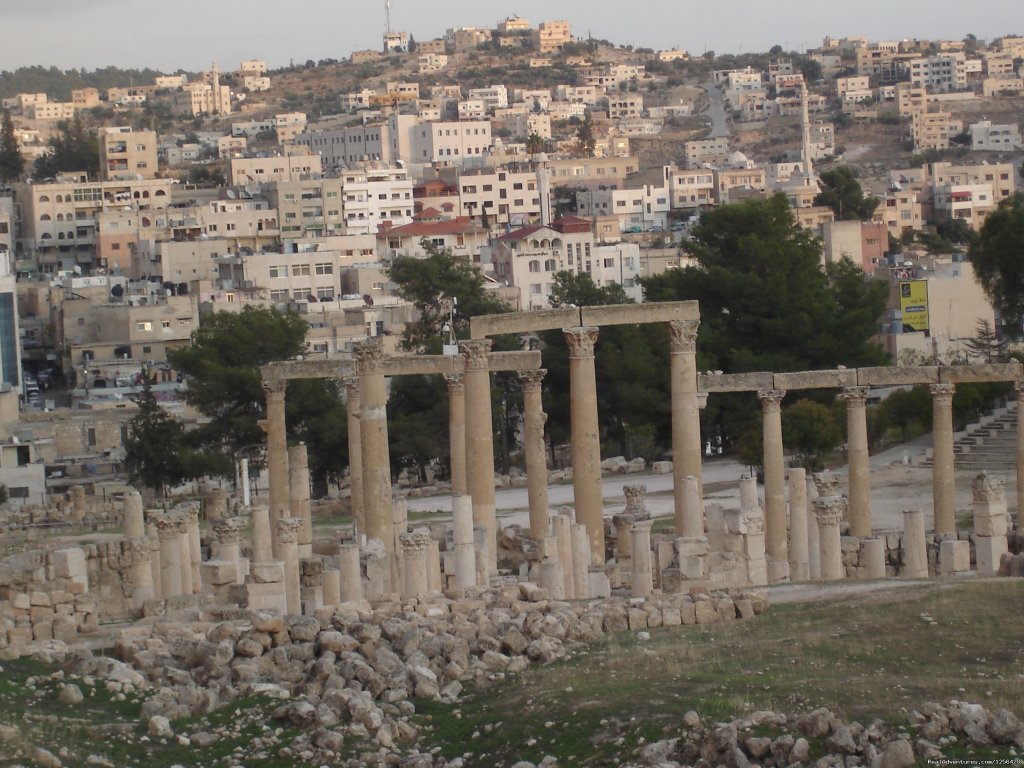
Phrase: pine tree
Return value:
(153, 450)
(12, 163)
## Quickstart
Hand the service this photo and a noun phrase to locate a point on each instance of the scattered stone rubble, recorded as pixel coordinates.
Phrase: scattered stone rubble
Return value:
(821, 739)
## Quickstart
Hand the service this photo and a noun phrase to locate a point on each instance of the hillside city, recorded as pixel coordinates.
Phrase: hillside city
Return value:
(177, 254)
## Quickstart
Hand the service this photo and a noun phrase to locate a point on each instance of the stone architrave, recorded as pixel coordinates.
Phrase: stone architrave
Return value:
(416, 582)
(828, 511)
(799, 559)
(1020, 455)
(944, 502)
(991, 522)
(373, 435)
(586, 440)
(171, 529)
(462, 537)
(915, 552)
(457, 430)
(355, 451)
(350, 573)
(561, 527)
(134, 520)
(859, 511)
(687, 455)
(536, 454)
(288, 530)
(580, 562)
(277, 454)
(774, 477)
(298, 492)
(480, 443)
(642, 583)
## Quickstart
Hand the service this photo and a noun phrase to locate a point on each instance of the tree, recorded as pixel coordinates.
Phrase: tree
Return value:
(152, 450)
(996, 257)
(222, 369)
(12, 163)
(73, 149)
(534, 143)
(431, 283)
(986, 343)
(842, 193)
(585, 139)
(809, 429)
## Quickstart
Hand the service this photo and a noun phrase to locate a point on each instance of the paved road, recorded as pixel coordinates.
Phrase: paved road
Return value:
(717, 112)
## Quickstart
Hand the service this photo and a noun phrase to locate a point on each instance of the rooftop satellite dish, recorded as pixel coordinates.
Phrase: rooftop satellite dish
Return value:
(368, 299)
(231, 194)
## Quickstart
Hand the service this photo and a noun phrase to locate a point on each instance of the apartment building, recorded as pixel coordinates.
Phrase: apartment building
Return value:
(863, 243)
(203, 99)
(578, 94)
(933, 130)
(309, 208)
(493, 97)
(578, 171)
(52, 110)
(256, 67)
(376, 196)
(85, 98)
(704, 152)
(509, 198)
(854, 90)
(428, 63)
(689, 188)
(986, 137)
(127, 153)
(742, 182)
(911, 99)
(626, 106)
(462, 235)
(900, 212)
(450, 143)
(971, 203)
(636, 209)
(242, 171)
(551, 36)
(940, 74)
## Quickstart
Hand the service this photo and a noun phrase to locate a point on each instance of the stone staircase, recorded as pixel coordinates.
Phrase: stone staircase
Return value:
(990, 444)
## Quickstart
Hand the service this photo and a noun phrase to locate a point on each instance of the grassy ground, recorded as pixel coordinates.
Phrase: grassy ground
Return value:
(875, 655)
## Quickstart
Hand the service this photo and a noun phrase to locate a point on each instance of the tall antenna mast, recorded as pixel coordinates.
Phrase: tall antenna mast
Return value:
(387, 16)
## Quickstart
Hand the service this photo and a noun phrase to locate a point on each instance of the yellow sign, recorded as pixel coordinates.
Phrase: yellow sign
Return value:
(914, 305)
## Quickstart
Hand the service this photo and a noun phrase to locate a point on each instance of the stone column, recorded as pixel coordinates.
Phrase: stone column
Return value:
(480, 442)
(693, 510)
(216, 504)
(351, 573)
(332, 586)
(580, 562)
(226, 534)
(642, 583)
(990, 522)
(536, 454)
(262, 546)
(416, 582)
(829, 512)
(462, 536)
(552, 578)
(686, 443)
(78, 503)
(195, 550)
(859, 473)
(561, 526)
(170, 528)
(298, 496)
(774, 482)
(288, 544)
(355, 453)
(1020, 456)
(872, 558)
(373, 436)
(457, 429)
(243, 472)
(799, 559)
(586, 437)
(277, 454)
(134, 520)
(915, 552)
(813, 544)
(943, 499)
(153, 536)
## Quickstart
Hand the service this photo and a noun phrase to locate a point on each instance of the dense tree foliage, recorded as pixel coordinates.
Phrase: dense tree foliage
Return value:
(222, 368)
(810, 430)
(842, 193)
(157, 451)
(996, 256)
(12, 163)
(58, 83)
(73, 149)
(766, 304)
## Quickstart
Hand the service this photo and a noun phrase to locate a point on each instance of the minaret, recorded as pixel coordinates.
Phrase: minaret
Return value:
(806, 125)
(215, 105)
(544, 188)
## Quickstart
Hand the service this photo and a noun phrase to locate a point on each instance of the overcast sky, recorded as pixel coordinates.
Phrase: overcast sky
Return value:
(188, 34)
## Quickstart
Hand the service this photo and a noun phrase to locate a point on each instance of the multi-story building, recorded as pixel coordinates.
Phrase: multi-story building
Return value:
(293, 166)
(53, 110)
(689, 188)
(127, 153)
(911, 99)
(940, 74)
(971, 203)
(733, 182)
(431, 62)
(635, 209)
(625, 106)
(493, 96)
(203, 99)
(551, 36)
(461, 235)
(85, 98)
(700, 153)
(901, 212)
(988, 137)
(509, 198)
(864, 243)
(524, 124)
(450, 143)
(933, 130)
(376, 196)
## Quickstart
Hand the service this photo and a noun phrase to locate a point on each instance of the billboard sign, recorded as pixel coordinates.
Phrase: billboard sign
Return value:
(914, 305)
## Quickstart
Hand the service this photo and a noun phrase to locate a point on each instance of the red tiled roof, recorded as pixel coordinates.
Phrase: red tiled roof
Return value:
(459, 225)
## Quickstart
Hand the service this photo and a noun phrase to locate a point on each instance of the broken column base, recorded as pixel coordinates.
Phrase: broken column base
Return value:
(598, 582)
(954, 557)
(777, 570)
(988, 551)
(264, 590)
(872, 558)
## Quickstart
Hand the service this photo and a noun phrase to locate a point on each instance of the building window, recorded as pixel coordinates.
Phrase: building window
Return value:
(535, 266)
(144, 325)
(299, 270)
(325, 269)
(279, 295)
(165, 323)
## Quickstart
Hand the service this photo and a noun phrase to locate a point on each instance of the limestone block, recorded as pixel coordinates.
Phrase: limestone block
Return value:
(673, 582)
(990, 525)
(42, 630)
(267, 573)
(65, 629)
(714, 519)
(776, 570)
(40, 599)
(257, 596)
(691, 566)
(753, 545)
(704, 612)
(600, 585)
(988, 550)
(694, 546)
(662, 467)
(20, 601)
(218, 572)
(70, 564)
(688, 613)
(954, 557)
(744, 609)
(757, 572)
(726, 610)
(671, 616)
(637, 619)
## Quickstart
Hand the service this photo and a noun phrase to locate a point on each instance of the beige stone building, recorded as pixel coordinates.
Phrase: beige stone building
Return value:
(127, 153)
(293, 166)
(85, 98)
(933, 130)
(552, 36)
